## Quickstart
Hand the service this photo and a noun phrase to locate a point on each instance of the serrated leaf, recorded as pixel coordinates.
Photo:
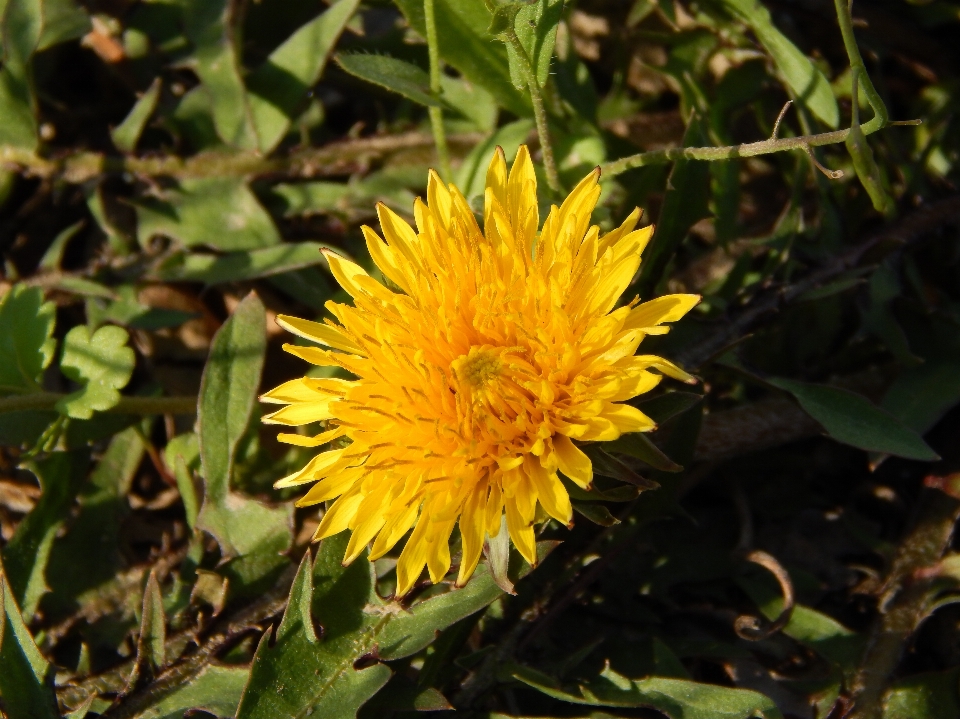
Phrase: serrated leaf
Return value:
(536, 28)
(26, 677)
(278, 87)
(466, 45)
(326, 678)
(238, 266)
(26, 555)
(395, 75)
(102, 363)
(26, 337)
(219, 212)
(228, 392)
(677, 698)
(807, 83)
(852, 419)
(126, 135)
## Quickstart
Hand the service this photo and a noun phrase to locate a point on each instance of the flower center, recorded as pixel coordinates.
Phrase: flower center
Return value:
(478, 367)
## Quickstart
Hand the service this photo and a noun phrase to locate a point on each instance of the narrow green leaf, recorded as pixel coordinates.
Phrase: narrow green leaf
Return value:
(612, 467)
(26, 338)
(852, 419)
(465, 43)
(182, 453)
(54, 255)
(238, 266)
(228, 391)
(879, 317)
(151, 653)
(398, 76)
(101, 362)
(26, 677)
(639, 446)
(807, 83)
(862, 156)
(26, 555)
(126, 135)
(278, 87)
(219, 212)
(596, 513)
(209, 28)
(677, 698)
(403, 695)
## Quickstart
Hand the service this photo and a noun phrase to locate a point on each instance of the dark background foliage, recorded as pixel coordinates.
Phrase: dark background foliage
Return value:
(170, 170)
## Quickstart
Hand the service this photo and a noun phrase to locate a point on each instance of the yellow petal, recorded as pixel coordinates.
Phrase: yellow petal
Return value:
(296, 390)
(668, 308)
(317, 332)
(303, 441)
(612, 237)
(521, 533)
(339, 516)
(294, 415)
(324, 464)
(331, 487)
(438, 554)
(665, 366)
(412, 559)
(354, 279)
(471, 533)
(573, 462)
(553, 497)
(628, 419)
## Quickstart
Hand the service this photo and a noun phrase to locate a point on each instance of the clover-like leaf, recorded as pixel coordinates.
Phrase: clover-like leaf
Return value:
(101, 362)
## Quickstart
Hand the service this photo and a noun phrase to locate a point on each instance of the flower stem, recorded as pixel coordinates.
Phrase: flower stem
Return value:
(539, 111)
(844, 18)
(436, 113)
(749, 149)
(126, 405)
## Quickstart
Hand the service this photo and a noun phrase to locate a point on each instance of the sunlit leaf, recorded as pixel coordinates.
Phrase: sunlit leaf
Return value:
(101, 362)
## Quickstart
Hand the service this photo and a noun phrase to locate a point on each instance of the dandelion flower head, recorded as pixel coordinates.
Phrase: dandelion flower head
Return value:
(489, 356)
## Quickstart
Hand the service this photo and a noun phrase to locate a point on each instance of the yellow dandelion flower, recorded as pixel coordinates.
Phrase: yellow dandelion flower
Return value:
(473, 381)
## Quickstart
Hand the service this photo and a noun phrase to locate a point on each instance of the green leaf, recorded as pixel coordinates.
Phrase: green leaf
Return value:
(807, 83)
(862, 156)
(684, 204)
(54, 255)
(279, 86)
(639, 446)
(21, 26)
(26, 678)
(922, 395)
(852, 419)
(472, 173)
(220, 212)
(931, 695)
(209, 27)
(596, 513)
(471, 101)
(238, 266)
(151, 653)
(398, 76)
(26, 338)
(126, 135)
(182, 453)
(102, 363)
(228, 392)
(879, 318)
(88, 556)
(215, 689)
(677, 698)
(325, 678)
(465, 43)
(612, 467)
(126, 309)
(536, 28)
(26, 555)
(63, 20)
(667, 406)
(403, 695)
